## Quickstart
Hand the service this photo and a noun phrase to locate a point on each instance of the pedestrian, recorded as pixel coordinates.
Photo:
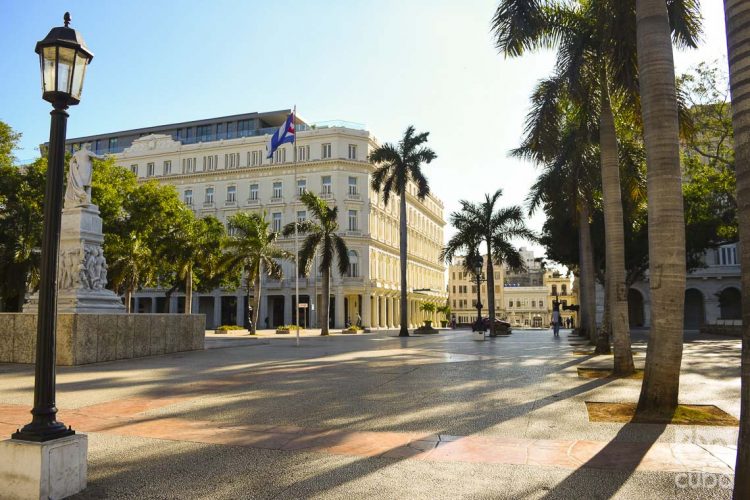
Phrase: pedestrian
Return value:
(556, 317)
(359, 320)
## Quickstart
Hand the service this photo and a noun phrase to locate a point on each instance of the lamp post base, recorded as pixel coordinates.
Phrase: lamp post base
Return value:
(52, 469)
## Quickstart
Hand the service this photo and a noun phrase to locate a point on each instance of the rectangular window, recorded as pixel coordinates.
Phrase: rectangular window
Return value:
(454, 288)
(277, 190)
(243, 128)
(232, 194)
(554, 289)
(352, 152)
(167, 167)
(280, 156)
(303, 153)
(353, 220)
(253, 191)
(325, 151)
(564, 289)
(541, 304)
(510, 304)
(113, 145)
(134, 169)
(232, 160)
(230, 130)
(277, 221)
(209, 195)
(301, 186)
(352, 185)
(150, 169)
(203, 133)
(219, 131)
(255, 159)
(301, 216)
(326, 184)
(188, 197)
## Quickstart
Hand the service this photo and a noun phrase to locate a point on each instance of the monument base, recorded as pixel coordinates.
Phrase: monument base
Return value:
(53, 469)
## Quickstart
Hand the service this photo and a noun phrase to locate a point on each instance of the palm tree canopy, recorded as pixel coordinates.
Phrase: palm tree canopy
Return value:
(397, 164)
(321, 235)
(253, 244)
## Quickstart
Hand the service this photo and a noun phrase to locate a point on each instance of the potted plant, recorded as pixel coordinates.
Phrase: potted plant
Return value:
(446, 312)
(286, 329)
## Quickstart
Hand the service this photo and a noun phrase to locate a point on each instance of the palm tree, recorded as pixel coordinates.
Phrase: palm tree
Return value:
(129, 268)
(252, 247)
(661, 381)
(738, 49)
(481, 222)
(195, 245)
(596, 56)
(322, 237)
(395, 167)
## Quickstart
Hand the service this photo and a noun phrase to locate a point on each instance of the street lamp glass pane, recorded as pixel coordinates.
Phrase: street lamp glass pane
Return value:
(65, 69)
(78, 74)
(48, 68)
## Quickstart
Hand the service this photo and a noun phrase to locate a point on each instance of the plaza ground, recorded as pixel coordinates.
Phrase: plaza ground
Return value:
(374, 415)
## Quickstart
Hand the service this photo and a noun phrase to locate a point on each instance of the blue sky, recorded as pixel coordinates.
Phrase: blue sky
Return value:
(386, 64)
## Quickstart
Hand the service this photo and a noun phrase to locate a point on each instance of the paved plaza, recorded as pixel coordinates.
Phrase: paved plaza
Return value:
(374, 415)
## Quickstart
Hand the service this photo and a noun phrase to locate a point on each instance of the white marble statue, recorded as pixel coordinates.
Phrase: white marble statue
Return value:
(78, 192)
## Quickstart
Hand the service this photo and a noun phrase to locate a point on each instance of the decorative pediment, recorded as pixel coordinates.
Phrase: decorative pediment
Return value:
(152, 142)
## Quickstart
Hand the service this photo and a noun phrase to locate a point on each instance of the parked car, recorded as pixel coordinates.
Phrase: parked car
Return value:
(501, 326)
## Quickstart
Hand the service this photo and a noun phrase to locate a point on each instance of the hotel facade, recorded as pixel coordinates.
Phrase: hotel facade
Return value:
(219, 167)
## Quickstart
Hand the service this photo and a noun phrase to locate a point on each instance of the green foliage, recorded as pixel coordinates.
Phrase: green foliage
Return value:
(289, 327)
(709, 181)
(428, 307)
(227, 328)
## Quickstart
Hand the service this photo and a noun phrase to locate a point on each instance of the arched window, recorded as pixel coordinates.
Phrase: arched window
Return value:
(353, 264)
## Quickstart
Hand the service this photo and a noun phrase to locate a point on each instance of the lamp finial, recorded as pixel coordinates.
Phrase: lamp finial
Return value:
(66, 19)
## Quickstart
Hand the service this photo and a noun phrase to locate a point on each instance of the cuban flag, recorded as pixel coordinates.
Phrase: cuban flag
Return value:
(284, 134)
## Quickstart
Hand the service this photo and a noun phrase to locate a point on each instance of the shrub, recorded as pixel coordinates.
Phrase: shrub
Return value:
(289, 327)
(225, 328)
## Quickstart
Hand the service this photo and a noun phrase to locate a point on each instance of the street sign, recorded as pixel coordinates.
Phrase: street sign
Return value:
(303, 305)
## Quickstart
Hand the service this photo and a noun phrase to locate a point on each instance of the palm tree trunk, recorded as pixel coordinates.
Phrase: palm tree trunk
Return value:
(666, 220)
(602, 337)
(738, 49)
(325, 300)
(256, 312)
(128, 298)
(588, 284)
(404, 331)
(617, 297)
(189, 291)
(490, 287)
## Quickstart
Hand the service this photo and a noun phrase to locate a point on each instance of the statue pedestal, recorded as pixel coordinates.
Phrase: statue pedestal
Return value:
(82, 268)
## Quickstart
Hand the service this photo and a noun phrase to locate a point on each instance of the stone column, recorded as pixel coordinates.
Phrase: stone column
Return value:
(240, 310)
(375, 320)
(383, 312)
(397, 312)
(288, 316)
(366, 310)
(217, 310)
(340, 313)
(392, 319)
(263, 313)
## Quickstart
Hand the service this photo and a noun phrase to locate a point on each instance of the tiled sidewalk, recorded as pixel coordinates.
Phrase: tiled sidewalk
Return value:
(128, 417)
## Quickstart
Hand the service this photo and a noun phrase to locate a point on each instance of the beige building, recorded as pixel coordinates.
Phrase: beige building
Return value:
(525, 301)
(462, 292)
(219, 167)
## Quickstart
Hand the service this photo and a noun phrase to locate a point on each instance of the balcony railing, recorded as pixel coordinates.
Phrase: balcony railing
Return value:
(252, 201)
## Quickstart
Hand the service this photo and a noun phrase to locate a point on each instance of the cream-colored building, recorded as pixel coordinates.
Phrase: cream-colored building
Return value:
(527, 306)
(219, 167)
(561, 288)
(462, 292)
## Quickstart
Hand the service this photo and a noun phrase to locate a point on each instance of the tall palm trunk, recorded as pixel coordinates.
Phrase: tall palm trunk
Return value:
(404, 330)
(666, 220)
(602, 336)
(256, 312)
(325, 302)
(617, 303)
(588, 285)
(490, 286)
(189, 290)
(128, 299)
(738, 49)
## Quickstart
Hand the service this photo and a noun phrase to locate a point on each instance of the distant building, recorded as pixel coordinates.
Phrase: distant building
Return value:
(462, 292)
(712, 293)
(219, 167)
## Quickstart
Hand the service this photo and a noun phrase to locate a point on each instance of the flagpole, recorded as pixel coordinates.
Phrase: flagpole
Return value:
(296, 223)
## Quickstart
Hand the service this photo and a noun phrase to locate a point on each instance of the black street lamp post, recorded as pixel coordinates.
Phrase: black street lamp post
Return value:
(478, 264)
(64, 57)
